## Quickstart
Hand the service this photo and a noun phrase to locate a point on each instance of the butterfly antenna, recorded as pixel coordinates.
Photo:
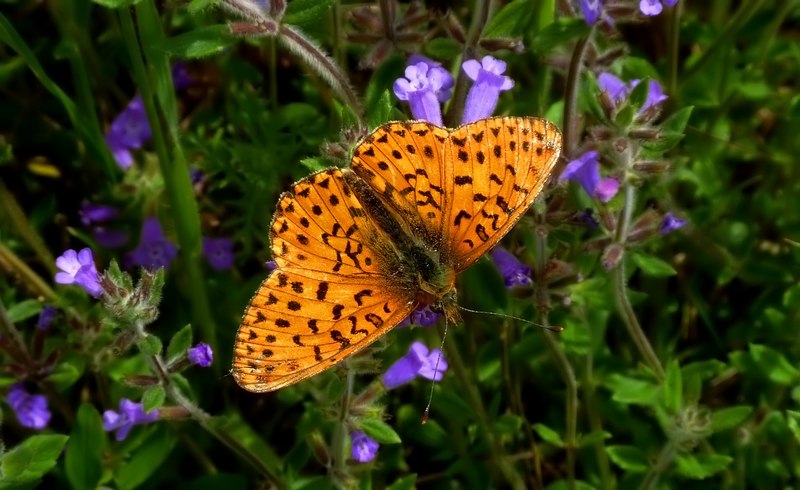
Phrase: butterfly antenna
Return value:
(556, 329)
(435, 372)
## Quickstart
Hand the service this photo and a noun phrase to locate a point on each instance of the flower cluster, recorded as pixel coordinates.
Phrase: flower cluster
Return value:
(129, 414)
(31, 410)
(592, 10)
(618, 91)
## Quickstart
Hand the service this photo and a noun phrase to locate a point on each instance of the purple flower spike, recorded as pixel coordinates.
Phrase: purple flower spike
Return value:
(671, 223)
(484, 93)
(129, 414)
(219, 253)
(364, 448)
(31, 410)
(655, 7)
(200, 355)
(154, 249)
(514, 272)
(96, 213)
(591, 10)
(423, 316)
(425, 85)
(655, 96)
(129, 131)
(417, 362)
(78, 268)
(586, 170)
(46, 317)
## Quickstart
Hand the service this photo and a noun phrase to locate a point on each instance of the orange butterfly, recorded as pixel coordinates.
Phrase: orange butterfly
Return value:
(358, 249)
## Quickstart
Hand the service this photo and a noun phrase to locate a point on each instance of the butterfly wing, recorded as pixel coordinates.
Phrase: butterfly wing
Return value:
(498, 167)
(329, 296)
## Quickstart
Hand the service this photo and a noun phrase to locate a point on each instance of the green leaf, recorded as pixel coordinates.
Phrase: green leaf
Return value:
(199, 43)
(673, 388)
(701, 466)
(671, 131)
(380, 113)
(197, 6)
(180, 343)
(548, 435)
(652, 266)
(146, 459)
(729, 418)
(793, 421)
(150, 345)
(66, 374)
(631, 390)
(405, 483)
(593, 438)
(83, 457)
(153, 398)
(379, 430)
(116, 4)
(315, 164)
(31, 459)
(513, 20)
(560, 33)
(774, 364)
(300, 12)
(629, 458)
(24, 310)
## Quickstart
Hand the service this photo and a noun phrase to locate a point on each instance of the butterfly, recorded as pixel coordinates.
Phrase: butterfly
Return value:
(358, 249)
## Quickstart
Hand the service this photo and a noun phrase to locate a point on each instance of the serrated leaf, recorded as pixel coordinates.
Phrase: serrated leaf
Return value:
(200, 43)
(379, 430)
(629, 458)
(32, 458)
(23, 310)
(180, 343)
(729, 418)
(673, 388)
(652, 266)
(701, 466)
(300, 12)
(153, 398)
(150, 345)
(549, 435)
(83, 457)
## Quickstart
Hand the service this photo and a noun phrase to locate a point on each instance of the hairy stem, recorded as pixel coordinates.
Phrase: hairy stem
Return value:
(339, 443)
(571, 119)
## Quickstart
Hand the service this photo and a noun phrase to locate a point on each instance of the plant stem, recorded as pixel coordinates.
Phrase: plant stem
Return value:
(19, 222)
(339, 442)
(571, 119)
(665, 458)
(17, 268)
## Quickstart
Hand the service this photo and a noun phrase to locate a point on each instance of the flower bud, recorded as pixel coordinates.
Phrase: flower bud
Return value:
(612, 256)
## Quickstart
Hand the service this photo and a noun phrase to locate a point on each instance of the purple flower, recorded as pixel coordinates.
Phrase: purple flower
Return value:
(586, 170)
(46, 317)
(270, 265)
(423, 316)
(655, 96)
(671, 223)
(484, 93)
(654, 7)
(200, 355)
(514, 272)
(128, 131)
(96, 213)
(218, 252)
(591, 10)
(31, 410)
(425, 86)
(154, 249)
(108, 238)
(180, 76)
(78, 268)
(129, 414)
(364, 448)
(196, 175)
(417, 362)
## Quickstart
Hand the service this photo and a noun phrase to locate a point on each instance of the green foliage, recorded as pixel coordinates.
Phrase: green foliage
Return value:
(30, 460)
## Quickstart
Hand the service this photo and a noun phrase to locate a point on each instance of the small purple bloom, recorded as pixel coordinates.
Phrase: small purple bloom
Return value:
(364, 448)
(96, 213)
(654, 7)
(270, 265)
(78, 268)
(46, 317)
(671, 223)
(180, 76)
(129, 414)
(31, 410)
(417, 362)
(128, 131)
(514, 272)
(591, 10)
(154, 249)
(423, 316)
(196, 175)
(489, 82)
(218, 252)
(200, 355)
(425, 86)
(586, 170)
(655, 96)
(616, 89)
